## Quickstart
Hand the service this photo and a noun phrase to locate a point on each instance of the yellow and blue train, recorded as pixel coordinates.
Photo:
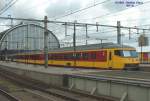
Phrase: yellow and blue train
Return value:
(102, 56)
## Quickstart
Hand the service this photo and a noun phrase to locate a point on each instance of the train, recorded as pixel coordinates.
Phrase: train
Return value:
(144, 57)
(102, 56)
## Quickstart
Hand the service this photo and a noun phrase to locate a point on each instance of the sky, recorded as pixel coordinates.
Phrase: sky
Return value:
(129, 12)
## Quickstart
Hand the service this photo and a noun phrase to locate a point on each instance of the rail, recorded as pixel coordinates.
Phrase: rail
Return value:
(9, 96)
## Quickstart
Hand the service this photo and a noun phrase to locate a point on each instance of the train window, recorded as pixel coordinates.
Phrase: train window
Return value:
(71, 56)
(126, 53)
(65, 56)
(118, 52)
(134, 53)
(78, 55)
(93, 55)
(49, 56)
(57, 56)
(129, 53)
(85, 55)
(110, 56)
(60, 56)
(52, 56)
(68, 56)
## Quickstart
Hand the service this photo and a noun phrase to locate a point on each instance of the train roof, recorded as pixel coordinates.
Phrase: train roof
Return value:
(83, 47)
(92, 47)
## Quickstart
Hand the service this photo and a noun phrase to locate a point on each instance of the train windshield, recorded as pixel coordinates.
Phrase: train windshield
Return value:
(126, 53)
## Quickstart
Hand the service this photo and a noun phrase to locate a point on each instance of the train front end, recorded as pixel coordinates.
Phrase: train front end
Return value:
(126, 59)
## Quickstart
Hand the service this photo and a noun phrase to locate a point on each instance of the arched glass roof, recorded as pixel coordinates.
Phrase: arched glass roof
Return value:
(27, 37)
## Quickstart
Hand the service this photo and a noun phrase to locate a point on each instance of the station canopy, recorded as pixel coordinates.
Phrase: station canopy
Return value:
(27, 37)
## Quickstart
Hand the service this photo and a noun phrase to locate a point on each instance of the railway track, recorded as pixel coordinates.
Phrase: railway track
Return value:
(62, 93)
(8, 96)
(34, 85)
(22, 94)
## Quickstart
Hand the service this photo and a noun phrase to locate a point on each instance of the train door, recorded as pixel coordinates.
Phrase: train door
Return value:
(110, 60)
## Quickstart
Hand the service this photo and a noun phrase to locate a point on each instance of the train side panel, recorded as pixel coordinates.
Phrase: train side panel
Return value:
(144, 57)
(101, 58)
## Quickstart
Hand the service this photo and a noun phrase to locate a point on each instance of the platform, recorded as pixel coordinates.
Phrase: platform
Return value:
(133, 75)
(145, 67)
(50, 69)
(80, 71)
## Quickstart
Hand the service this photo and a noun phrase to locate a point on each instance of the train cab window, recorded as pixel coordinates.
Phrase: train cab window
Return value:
(129, 53)
(126, 53)
(134, 53)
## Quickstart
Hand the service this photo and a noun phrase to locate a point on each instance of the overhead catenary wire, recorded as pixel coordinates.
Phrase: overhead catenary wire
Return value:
(79, 36)
(83, 24)
(121, 20)
(60, 26)
(71, 23)
(60, 22)
(130, 20)
(90, 32)
(7, 7)
(81, 10)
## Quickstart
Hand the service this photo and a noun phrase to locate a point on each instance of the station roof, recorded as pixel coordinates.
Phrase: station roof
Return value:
(33, 31)
(2, 33)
